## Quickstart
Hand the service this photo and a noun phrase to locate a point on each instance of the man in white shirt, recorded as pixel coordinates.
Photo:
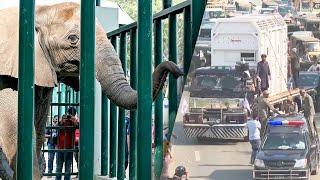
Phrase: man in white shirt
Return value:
(254, 127)
(315, 66)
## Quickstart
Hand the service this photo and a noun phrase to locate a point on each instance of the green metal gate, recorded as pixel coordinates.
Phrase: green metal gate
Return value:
(141, 54)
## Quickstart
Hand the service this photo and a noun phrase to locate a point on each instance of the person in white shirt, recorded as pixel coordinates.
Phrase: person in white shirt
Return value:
(315, 66)
(254, 127)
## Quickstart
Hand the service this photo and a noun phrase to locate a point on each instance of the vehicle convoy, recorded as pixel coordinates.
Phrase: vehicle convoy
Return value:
(219, 94)
(245, 38)
(288, 151)
(305, 43)
(310, 80)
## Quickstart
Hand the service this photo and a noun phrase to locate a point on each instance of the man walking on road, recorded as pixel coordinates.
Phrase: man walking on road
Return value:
(308, 108)
(262, 107)
(263, 71)
(254, 127)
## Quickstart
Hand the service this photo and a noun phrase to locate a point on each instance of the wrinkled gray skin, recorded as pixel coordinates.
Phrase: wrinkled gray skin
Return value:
(57, 60)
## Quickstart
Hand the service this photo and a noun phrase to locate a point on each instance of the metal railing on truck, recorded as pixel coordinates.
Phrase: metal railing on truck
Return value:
(140, 74)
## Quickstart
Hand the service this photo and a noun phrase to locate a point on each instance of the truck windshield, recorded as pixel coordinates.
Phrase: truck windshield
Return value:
(305, 6)
(313, 46)
(217, 83)
(292, 141)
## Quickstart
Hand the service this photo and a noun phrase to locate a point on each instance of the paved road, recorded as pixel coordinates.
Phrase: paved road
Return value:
(228, 160)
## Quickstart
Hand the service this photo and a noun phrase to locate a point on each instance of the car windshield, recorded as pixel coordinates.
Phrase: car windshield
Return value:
(308, 80)
(305, 5)
(217, 83)
(292, 141)
(216, 14)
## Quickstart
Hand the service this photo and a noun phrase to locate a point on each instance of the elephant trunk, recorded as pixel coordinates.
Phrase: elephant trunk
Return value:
(113, 82)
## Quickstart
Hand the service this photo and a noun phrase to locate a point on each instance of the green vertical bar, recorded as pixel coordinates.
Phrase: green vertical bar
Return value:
(87, 88)
(197, 7)
(26, 90)
(133, 114)
(105, 136)
(98, 3)
(173, 101)
(122, 126)
(166, 3)
(187, 51)
(113, 130)
(144, 89)
(158, 47)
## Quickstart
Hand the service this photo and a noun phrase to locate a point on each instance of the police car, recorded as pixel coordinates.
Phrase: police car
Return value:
(288, 150)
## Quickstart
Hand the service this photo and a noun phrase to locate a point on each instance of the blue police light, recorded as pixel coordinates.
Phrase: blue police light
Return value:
(279, 122)
(275, 123)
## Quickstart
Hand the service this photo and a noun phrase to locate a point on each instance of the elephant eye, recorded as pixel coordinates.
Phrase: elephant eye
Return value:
(73, 38)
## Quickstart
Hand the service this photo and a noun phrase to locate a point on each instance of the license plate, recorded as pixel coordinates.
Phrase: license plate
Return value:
(279, 177)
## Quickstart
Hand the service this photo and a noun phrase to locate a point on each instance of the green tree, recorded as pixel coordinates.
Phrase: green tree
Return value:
(130, 7)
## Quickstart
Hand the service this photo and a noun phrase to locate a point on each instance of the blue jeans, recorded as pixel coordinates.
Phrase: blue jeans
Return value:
(255, 144)
(51, 157)
(66, 159)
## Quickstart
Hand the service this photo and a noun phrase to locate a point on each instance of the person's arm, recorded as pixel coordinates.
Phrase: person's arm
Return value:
(310, 68)
(258, 125)
(271, 107)
(295, 107)
(269, 73)
(310, 101)
(258, 69)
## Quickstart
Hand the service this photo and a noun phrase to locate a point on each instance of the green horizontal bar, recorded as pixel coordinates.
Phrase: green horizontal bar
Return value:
(65, 104)
(57, 174)
(177, 9)
(60, 150)
(62, 127)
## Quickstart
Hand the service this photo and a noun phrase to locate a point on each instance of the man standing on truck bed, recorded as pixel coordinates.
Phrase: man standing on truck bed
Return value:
(262, 107)
(263, 71)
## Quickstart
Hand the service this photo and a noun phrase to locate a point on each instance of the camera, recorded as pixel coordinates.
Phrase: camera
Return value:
(69, 117)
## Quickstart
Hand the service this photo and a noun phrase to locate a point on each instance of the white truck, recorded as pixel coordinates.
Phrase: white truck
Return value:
(221, 95)
(246, 38)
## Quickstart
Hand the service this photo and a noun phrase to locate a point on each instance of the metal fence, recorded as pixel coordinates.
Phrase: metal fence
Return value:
(141, 54)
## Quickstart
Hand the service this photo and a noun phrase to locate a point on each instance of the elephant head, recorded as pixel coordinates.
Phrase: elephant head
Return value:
(57, 52)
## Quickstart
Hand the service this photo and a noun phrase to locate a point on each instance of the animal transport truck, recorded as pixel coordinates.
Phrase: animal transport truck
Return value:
(220, 94)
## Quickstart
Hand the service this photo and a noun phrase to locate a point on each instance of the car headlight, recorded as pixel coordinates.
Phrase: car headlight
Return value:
(301, 163)
(259, 163)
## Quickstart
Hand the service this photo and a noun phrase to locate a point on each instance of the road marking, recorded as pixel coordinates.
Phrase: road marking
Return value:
(197, 155)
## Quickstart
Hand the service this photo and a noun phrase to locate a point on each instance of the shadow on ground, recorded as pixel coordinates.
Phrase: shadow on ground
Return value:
(227, 174)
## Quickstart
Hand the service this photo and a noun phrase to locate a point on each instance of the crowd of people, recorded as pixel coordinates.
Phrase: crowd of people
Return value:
(262, 108)
(64, 137)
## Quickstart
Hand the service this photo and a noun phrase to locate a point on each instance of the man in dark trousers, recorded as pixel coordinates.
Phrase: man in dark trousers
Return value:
(263, 72)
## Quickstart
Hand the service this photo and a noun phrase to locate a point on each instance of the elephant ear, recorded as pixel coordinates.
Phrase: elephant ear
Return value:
(9, 49)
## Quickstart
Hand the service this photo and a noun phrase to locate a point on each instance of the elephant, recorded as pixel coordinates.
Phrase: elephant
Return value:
(57, 59)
